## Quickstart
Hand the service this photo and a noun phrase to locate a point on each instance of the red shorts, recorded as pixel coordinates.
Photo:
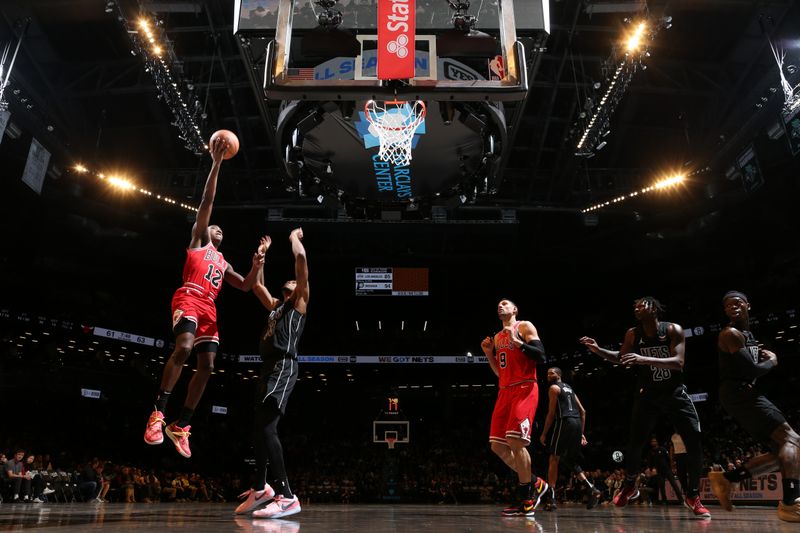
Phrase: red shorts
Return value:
(514, 411)
(201, 310)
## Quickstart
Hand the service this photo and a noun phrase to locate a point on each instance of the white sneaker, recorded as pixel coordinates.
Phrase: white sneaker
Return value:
(279, 507)
(47, 491)
(254, 499)
(37, 500)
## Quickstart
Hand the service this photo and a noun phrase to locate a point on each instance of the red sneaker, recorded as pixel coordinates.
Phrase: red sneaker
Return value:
(180, 438)
(152, 433)
(697, 507)
(626, 495)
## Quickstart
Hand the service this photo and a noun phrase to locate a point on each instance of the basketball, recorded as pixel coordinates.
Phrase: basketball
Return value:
(233, 142)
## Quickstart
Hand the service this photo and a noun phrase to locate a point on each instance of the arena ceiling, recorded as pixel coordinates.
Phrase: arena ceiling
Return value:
(693, 109)
(705, 97)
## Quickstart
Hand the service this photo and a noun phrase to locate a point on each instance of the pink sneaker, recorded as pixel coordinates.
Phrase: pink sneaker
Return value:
(152, 433)
(180, 438)
(255, 498)
(279, 507)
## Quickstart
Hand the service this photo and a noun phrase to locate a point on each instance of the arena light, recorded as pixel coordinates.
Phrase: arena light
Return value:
(635, 40)
(669, 182)
(620, 69)
(660, 185)
(149, 40)
(126, 184)
(121, 183)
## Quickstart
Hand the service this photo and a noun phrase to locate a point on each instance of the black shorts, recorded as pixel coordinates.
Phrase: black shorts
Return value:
(277, 380)
(751, 410)
(565, 437)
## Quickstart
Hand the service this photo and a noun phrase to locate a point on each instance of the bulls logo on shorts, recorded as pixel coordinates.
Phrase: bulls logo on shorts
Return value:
(525, 429)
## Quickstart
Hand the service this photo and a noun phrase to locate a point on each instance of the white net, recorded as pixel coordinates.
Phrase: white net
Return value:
(394, 124)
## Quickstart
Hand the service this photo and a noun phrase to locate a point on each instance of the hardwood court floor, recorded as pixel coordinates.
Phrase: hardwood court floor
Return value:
(145, 518)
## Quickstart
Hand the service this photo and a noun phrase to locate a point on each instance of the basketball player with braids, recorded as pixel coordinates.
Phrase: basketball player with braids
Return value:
(278, 348)
(741, 363)
(513, 354)
(194, 314)
(567, 418)
(657, 350)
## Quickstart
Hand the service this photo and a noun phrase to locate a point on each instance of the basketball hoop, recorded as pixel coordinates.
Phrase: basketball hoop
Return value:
(394, 124)
(391, 442)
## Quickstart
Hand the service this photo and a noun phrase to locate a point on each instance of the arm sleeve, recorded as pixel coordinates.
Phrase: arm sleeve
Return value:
(534, 349)
(743, 365)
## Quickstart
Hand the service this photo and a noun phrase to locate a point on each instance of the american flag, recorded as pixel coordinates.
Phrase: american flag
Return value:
(300, 73)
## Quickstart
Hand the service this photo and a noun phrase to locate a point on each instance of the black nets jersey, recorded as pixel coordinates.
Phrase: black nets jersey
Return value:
(284, 328)
(567, 406)
(653, 377)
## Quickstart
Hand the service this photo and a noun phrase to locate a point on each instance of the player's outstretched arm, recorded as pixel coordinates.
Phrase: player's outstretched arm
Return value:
(259, 289)
(246, 284)
(301, 292)
(609, 355)
(200, 228)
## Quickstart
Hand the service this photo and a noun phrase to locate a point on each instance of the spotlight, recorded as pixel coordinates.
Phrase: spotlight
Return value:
(635, 40)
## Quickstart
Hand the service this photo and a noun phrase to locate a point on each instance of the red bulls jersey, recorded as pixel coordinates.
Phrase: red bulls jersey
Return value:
(204, 271)
(513, 364)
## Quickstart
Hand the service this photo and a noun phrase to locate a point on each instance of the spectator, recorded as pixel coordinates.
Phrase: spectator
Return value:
(91, 482)
(33, 470)
(20, 483)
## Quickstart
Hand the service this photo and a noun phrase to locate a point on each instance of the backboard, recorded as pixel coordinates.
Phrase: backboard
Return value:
(391, 432)
(331, 53)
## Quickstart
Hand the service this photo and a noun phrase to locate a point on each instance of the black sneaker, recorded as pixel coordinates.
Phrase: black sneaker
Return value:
(524, 508)
(594, 498)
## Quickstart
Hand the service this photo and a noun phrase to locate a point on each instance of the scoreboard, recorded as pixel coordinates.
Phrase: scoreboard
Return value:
(381, 281)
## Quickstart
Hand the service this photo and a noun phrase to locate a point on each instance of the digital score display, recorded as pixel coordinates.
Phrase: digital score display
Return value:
(398, 281)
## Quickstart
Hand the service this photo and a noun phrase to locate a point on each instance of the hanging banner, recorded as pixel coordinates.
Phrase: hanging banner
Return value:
(4, 116)
(36, 167)
(397, 30)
